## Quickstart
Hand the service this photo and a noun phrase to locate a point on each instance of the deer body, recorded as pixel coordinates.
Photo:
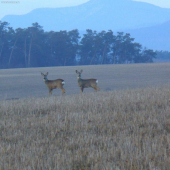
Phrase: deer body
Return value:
(53, 84)
(85, 83)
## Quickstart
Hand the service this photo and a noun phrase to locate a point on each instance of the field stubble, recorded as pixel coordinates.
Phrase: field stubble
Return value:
(120, 130)
(28, 82)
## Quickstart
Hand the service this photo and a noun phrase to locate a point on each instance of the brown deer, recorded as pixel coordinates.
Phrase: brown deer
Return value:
(53, 84)
(85, 83)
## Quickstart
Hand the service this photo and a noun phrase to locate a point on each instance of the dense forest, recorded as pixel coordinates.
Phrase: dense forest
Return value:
(34, 47)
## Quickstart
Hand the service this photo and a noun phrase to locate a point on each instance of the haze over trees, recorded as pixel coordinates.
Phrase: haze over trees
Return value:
(33, 47)
(162, 56)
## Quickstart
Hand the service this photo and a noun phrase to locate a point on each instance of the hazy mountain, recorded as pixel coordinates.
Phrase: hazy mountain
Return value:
(95, 14)
(155, 37)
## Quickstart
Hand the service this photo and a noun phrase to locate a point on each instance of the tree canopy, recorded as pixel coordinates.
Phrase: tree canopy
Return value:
(33, 47)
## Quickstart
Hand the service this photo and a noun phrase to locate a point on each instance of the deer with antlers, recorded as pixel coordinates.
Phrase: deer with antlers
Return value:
(53, 84)
(85, 83)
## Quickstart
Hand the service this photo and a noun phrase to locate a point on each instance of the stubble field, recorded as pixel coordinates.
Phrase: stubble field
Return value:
(125, 126)
(24, 83)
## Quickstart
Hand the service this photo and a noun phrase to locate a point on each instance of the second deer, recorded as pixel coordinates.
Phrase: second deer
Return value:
(53, 84)
(85, 83)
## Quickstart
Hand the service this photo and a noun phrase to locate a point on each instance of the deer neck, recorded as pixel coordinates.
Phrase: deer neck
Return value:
(79, 79)
(45, 80)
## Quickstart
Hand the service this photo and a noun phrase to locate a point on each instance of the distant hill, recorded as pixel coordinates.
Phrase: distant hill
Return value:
(155, 37)
(95, 14)
(148, 24)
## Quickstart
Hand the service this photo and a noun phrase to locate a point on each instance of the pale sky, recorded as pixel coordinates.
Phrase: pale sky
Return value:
(19, 7)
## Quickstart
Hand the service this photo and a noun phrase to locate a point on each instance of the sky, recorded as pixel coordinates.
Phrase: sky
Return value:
(19, 7)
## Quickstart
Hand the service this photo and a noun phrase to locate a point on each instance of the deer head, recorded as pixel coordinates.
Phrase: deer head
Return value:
(79, 73)
(45, 76)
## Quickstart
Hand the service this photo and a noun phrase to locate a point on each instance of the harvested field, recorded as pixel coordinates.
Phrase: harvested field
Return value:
(24, 83)
(122, 130)
(125, 126)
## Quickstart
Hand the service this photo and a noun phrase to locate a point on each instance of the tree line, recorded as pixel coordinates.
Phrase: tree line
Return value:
(162, 56)
(34, 47)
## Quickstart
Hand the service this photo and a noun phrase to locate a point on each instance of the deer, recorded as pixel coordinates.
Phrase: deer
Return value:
(53, 84)
(85, 83)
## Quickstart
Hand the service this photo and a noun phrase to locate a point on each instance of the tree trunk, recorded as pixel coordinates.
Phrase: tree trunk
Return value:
(29, 55)
(26, 64)
(1, 50)
(12, 52)
(103, 55)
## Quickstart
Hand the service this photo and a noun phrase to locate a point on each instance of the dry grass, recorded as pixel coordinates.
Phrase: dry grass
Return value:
(120, 130)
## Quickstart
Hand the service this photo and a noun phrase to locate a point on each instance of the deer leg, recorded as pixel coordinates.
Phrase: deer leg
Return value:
(96, 88)
(63, 90)
(50, 92)
(81, 89)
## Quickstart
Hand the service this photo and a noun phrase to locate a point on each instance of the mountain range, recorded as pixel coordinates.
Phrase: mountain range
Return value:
(147, 23)
(154, 37)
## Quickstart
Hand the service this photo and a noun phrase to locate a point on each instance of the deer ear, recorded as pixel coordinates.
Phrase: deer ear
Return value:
(42, 74)
(47, 73)
(81, 71)
(76, 71)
